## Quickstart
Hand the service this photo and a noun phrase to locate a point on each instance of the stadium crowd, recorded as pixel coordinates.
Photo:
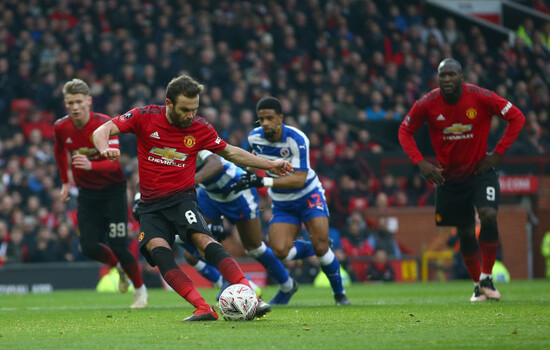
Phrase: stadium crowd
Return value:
(333, 64)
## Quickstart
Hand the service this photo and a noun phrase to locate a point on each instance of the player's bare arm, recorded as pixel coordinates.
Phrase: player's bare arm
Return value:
(490, 160)
(431, 173)
(101, 140)
(212, 166)
(240, 156)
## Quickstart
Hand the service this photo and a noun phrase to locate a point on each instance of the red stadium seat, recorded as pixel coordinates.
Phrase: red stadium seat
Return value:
(357, 203)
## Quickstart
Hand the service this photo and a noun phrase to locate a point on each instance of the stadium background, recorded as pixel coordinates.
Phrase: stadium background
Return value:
(346, 72)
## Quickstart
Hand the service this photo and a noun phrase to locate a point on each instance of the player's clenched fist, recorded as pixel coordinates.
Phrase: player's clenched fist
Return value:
(111, 153)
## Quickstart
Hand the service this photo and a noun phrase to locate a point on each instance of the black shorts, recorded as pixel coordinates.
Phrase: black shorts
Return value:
(455, 200)
(103, 215)
(182, 217)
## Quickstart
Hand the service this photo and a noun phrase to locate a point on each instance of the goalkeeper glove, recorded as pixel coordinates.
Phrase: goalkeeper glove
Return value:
(249, 180)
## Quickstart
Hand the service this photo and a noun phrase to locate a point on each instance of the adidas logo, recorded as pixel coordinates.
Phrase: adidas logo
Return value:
(68, 140)
(155, 135)
(440, 117)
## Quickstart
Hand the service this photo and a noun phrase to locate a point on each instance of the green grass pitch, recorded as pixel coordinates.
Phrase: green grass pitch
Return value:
(383, 316)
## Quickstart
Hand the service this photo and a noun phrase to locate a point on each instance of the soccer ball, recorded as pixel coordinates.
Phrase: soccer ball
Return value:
(238, 303)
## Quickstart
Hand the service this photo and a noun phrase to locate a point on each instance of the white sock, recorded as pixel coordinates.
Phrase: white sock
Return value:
(219, 282)
(258, 251)
(287, 286)
(200, 265)
(327, 258)
(484, 276)
(291, 254)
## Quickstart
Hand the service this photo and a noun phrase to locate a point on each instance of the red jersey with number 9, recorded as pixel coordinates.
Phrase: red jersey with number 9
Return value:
(167, 154)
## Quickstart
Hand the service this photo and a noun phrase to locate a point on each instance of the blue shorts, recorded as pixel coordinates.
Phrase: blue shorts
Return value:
(300, 210)
(244, 207)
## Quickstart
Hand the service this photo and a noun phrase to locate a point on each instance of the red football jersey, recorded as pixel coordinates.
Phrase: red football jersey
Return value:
(459, 131)
(104, 173)
(166, 154)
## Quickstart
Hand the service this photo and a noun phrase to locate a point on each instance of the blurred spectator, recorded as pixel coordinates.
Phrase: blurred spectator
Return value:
(380, 268)
(381, 238)
(45, 248)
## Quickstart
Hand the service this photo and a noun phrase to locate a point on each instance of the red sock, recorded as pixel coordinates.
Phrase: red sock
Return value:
(488, 255)
(132, 270)
(107, 256)
(232, 272)
(180, 282)
(471, 260)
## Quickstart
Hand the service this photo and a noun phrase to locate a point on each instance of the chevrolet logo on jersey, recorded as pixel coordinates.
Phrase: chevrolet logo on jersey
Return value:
(85, 151)
(168, 156)
(457, 129)
(168, 153)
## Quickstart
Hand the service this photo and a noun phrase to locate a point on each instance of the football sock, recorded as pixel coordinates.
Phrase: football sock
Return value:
(225, 263)
(471, 260)
(488, 255)
(103, 254)
(331, 268)
(128, 263)
(300, 250)
(274, 266)
(209, 272)
(176, 278)
(132, 270)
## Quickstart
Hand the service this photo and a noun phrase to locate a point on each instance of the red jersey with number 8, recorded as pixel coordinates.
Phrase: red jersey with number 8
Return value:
(167, 154)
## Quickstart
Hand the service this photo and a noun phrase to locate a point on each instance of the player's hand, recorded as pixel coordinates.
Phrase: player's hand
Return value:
(81, 162)
(489, 162)
(282, 167)
(246, 181)
(110, 153)
(64, 193)
(218, 231)
(431, 173)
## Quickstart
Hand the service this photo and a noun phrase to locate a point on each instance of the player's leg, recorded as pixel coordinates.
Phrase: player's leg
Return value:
(92, 229)
(250, 232)
(283, 229)
(243, 211)
(318, 231)
(487, 195)
(156, 238)
(206, 270)
(115, 210)
(453, 207)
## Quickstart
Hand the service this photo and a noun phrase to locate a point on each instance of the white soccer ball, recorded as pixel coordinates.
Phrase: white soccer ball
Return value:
(238, 303)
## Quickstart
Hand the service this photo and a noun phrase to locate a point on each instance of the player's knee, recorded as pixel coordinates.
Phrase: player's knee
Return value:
(487, 215)
(280, 252)
(320, 248)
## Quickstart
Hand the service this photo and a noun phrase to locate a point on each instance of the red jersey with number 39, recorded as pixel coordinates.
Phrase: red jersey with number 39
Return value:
(167, 154)
(104, 173)
(459, 131)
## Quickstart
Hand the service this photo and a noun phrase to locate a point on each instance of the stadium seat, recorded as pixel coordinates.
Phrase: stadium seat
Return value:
(357, 203)
(21, 105)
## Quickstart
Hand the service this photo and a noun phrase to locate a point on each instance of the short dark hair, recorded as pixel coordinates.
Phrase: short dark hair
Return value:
(270, 103)
(452, 61)
(183, 85)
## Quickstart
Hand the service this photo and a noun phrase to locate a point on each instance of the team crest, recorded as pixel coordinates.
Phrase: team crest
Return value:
(285, 152)
(189, 141)
(141, 235)
(471, 113)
